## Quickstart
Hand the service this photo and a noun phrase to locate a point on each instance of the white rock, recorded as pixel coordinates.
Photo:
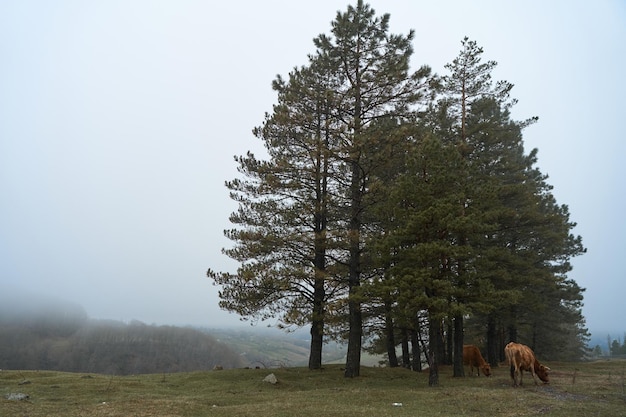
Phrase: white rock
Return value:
(271, 378)
(16, 396)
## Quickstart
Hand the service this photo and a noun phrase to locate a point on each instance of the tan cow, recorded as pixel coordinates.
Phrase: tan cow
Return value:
(521, 358)
(473, 358)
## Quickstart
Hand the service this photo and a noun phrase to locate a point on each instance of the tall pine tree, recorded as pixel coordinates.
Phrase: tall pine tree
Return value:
(373, 66)
(306, 206)
(282, 242)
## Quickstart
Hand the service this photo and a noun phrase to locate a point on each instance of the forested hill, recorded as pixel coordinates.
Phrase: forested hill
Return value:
(40, 334)
(62, 337)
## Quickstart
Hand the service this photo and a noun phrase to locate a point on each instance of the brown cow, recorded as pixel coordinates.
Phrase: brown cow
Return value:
(473, 358)
(521, 358)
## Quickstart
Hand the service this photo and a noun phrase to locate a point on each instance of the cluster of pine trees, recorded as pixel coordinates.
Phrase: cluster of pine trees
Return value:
(617, 347)
(397, 205)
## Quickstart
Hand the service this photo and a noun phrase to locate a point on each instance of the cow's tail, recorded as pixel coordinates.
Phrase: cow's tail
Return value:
(509, 357)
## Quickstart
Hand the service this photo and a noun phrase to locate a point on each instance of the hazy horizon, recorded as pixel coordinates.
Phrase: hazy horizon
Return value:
(119, 122)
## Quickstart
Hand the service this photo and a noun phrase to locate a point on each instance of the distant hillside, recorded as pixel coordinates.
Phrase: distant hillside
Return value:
(273, 348)
(52, 335)
(61, 337)
(268, 348)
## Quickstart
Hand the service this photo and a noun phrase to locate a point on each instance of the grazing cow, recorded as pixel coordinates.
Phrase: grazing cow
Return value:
(521, 358)
(473, 358)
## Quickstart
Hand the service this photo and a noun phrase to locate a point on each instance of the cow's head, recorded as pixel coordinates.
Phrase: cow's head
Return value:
(542, 373)
(486, 369)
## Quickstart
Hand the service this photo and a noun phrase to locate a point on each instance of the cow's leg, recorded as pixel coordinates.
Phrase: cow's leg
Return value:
(519, 375)
(513, 375)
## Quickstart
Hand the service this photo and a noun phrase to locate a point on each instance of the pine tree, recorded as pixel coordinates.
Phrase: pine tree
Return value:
(282, 243)
(478, 231)
(420, 210)
(376, 84)
(302, 212)
(524, 238)
(473, 116)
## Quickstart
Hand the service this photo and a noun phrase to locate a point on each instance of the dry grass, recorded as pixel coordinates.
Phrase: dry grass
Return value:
(581, 389)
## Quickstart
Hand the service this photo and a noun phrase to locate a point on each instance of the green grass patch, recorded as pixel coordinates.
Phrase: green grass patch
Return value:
(576, 389)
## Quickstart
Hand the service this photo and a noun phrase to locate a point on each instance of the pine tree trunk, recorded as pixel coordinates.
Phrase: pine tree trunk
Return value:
(390, 341)
(353, 356)
(449, 358)
(406, 356)
(317, 339)
(416, 363)
(440, 344)
(319, 291)
(317, 326)
(492, 341)
(434, 336)
(501, 343)
(355, 320)
(512, 329)
(458, 370)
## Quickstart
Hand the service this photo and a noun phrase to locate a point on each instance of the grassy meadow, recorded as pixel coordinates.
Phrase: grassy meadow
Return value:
(576, 389)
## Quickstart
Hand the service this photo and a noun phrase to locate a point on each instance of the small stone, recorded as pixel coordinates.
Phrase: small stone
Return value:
(271, 378)
(17, 396)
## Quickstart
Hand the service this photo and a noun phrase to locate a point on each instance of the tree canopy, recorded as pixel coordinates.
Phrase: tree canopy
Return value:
(390, 195)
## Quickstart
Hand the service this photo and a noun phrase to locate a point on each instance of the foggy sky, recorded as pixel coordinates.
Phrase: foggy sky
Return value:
(119, 121)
